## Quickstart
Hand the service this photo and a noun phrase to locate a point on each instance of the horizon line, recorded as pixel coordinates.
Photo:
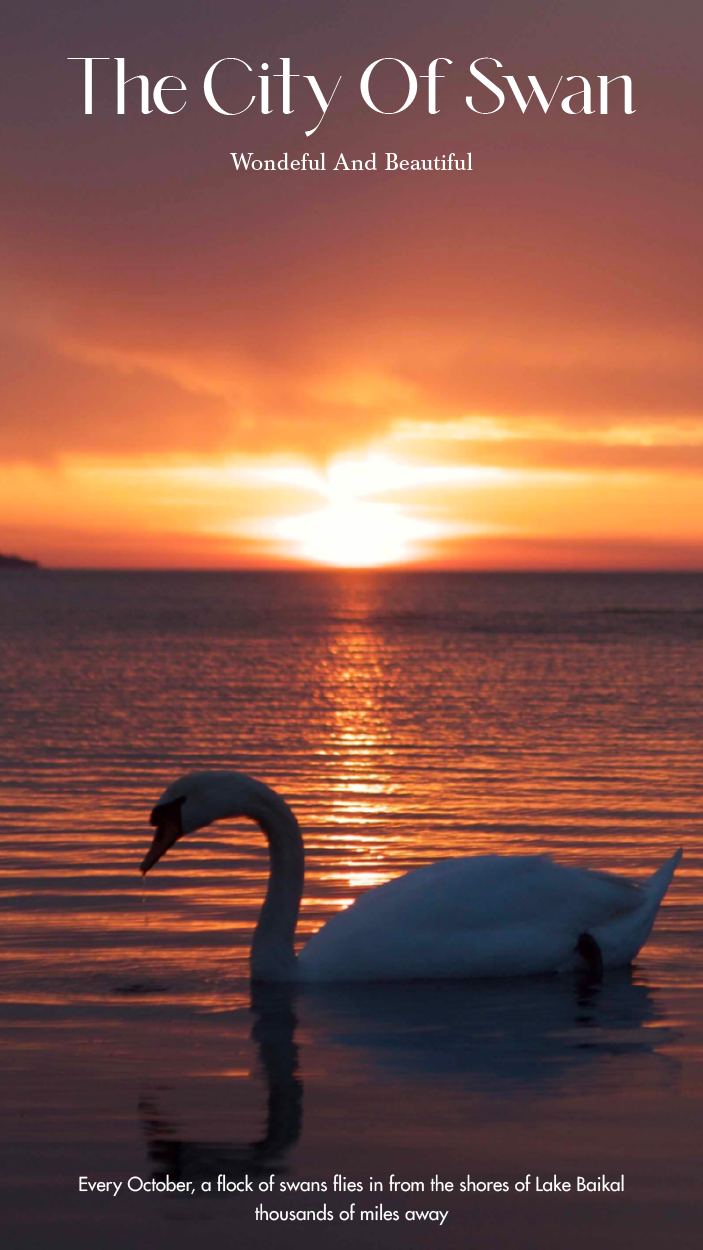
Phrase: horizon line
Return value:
(348, 569)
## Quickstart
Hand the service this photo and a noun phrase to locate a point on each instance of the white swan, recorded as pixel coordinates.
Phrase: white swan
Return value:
(489, 915)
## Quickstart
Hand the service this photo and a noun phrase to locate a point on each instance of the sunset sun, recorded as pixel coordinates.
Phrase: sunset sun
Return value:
(353, 530)
(356, 534)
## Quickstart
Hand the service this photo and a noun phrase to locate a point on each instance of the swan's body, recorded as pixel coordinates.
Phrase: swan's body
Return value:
(489, 915)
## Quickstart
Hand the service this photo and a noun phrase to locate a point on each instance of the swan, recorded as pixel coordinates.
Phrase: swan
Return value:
(481, 916)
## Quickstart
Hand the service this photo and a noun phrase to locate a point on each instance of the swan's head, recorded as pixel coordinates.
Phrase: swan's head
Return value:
(186, 805)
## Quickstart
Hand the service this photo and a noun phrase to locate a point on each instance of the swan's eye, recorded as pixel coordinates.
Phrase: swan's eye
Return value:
(166, 811)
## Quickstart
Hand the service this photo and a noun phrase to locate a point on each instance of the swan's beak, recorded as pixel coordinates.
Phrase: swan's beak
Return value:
(169, 829)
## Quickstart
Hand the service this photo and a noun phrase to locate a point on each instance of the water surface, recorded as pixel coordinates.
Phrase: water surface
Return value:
(406, 717)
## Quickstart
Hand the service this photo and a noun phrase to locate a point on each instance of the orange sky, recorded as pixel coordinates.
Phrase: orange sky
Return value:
(210, 368)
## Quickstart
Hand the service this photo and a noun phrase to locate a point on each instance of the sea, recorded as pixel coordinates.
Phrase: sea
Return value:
(406, 717)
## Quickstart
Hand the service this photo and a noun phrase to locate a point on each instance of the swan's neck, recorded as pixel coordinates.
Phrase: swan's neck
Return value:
(272, 951)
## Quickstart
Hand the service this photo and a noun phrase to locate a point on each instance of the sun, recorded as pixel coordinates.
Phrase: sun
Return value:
(356, 534)
(353, 531)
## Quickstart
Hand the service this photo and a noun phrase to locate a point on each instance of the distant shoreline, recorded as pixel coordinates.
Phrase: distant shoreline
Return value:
(15, 562)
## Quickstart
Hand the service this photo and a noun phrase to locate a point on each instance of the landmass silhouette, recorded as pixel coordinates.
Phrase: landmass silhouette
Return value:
(16, 562)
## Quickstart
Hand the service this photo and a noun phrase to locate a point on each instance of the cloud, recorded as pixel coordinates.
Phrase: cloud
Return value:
(82, 378)
(647, 448)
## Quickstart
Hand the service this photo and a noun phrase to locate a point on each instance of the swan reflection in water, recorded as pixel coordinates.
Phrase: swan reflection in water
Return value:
(540, 1038)
(275, 1022)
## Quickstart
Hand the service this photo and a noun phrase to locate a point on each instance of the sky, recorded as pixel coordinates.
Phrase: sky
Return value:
(208, 367)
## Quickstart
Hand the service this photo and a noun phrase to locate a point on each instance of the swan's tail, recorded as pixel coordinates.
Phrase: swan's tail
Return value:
(660, 881)
(656, 887)
(622, 939)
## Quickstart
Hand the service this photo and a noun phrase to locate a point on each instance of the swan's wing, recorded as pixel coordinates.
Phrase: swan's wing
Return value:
(480, 916)
(488, 891)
